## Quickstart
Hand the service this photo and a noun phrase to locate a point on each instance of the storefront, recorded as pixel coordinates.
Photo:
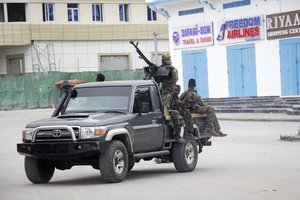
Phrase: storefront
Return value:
(281, 26)
(235, 48)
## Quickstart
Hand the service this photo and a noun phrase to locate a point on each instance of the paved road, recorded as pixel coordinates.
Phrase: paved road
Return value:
(251, 163)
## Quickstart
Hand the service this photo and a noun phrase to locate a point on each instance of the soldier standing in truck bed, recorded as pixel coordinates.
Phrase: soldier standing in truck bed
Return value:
(169, 82)
(196, 105)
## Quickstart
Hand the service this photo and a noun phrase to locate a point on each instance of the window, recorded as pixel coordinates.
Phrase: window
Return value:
(97, 12)
(16, 12)
(124, 12)
(48, 12)
(15, 64)
(236, 4)
(1, 13)
(152, 14)
(142, 98)
(114, 62)
(190, 12)
(73, 12)
(99, 99)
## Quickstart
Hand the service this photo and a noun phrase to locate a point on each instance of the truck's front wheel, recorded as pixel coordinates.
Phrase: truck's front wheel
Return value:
(38, 171)
(114, 162)
(185, 156)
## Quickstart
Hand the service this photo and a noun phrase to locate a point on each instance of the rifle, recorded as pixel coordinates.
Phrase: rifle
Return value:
(141, 55)
(151, 70)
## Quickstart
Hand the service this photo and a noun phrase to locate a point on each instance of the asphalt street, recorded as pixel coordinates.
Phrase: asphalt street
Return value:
(250, 163)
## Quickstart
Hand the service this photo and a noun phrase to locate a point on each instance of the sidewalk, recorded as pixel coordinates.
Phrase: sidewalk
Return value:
(258, 117)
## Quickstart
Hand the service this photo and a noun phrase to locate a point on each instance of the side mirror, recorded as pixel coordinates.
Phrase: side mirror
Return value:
(145, 108)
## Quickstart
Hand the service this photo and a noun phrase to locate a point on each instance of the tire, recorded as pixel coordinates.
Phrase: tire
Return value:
(114, 162)
(185, 155)
(38, 171)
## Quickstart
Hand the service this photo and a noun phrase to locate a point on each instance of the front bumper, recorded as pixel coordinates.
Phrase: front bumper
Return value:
(62, 149)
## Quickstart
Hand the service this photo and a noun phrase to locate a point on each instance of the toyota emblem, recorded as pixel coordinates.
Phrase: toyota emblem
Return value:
(57, 133)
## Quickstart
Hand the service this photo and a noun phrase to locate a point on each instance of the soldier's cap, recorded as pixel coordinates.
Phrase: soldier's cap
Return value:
(166, 60)
(192, 83)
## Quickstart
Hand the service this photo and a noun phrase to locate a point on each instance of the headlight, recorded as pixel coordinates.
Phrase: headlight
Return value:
(92, 132)
(27, 134)
(87, 132)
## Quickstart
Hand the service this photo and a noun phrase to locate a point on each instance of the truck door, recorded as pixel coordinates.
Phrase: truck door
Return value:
(147, 121)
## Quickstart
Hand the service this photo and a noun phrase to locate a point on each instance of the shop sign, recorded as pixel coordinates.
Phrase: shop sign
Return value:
(240, 30)
(283, 25)
(195, 35)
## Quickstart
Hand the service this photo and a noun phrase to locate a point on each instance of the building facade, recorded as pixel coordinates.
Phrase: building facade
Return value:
(235, 48)
(81, 35)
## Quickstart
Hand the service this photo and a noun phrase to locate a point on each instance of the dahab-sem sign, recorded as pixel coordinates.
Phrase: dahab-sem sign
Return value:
(195, 35)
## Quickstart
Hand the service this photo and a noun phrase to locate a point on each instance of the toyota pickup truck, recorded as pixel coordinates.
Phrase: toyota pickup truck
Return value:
(109, 126)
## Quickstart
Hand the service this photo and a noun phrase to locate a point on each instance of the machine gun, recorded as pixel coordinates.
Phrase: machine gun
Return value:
(152, 71)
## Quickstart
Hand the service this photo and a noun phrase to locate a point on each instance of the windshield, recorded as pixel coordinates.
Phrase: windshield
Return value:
(99, 99)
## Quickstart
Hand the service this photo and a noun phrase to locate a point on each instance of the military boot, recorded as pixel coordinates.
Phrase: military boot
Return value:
(177, 136)
(220, 133)
(212, 132)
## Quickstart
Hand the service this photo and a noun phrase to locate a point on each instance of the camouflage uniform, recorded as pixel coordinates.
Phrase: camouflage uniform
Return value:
(196, 105)
(175, 110)
(168, 83)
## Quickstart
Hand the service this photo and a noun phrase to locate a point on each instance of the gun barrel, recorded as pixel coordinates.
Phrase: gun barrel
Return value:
(141, 55)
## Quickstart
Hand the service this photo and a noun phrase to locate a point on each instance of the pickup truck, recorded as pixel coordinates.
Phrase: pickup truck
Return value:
(109, 126)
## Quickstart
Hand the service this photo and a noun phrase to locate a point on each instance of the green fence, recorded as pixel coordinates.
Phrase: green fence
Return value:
(37, 90)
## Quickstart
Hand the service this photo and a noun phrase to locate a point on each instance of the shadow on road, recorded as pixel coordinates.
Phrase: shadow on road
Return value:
(131, 176)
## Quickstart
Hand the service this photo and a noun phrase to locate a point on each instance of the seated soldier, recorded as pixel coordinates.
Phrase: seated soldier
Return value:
(175, 108)
(196, 105)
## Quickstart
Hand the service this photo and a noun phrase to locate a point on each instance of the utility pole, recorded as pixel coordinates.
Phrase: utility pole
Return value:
(155, 36)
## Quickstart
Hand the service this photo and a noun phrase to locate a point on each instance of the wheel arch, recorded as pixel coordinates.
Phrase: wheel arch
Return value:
(121, 134)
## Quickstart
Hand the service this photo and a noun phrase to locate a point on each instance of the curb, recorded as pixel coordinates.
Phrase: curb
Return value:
(259, 119)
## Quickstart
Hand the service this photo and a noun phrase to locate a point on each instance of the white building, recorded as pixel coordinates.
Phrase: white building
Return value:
(81, 35)
(235, 47)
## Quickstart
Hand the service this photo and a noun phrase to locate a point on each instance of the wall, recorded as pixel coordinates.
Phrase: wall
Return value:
(79, 56)
(138, 12)
(38, 90)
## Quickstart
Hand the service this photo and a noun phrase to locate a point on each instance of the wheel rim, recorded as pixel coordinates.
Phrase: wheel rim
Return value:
(189, 153)
(118, 162)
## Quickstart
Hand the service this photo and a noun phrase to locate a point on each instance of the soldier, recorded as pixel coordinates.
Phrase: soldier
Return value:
(175, 109)
(196, 105)
(169, 82)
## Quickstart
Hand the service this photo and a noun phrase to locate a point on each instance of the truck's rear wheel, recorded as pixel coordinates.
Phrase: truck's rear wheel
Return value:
(114, 162)
(38, 171)
(185, 155)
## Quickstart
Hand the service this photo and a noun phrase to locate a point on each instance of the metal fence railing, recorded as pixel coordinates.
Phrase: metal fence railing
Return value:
(37, 90)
